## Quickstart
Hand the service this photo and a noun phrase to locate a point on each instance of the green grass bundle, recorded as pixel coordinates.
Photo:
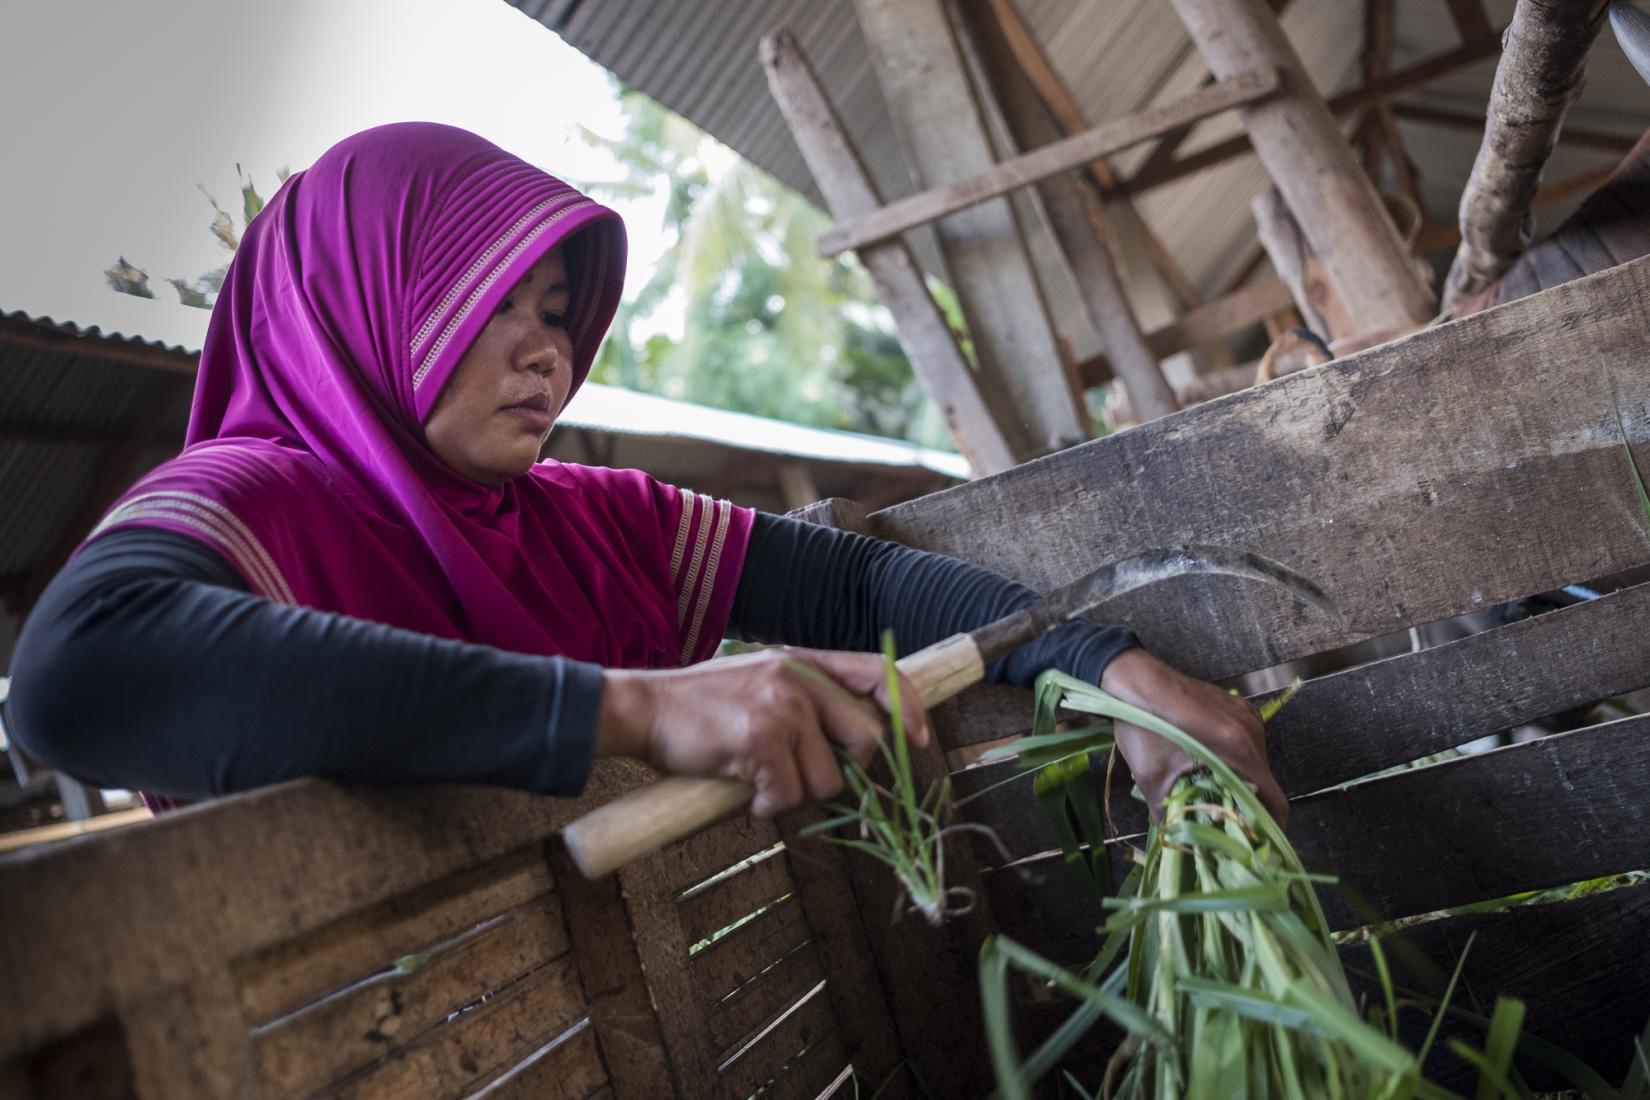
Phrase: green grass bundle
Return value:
(1216, 959)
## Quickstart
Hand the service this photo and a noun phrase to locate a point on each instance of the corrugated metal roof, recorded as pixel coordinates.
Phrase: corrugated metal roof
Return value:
(699, 58)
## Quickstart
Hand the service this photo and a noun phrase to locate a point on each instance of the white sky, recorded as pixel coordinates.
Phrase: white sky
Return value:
(112, 112)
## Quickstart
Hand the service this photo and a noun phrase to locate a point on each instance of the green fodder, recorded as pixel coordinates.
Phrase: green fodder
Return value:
(1216, 960)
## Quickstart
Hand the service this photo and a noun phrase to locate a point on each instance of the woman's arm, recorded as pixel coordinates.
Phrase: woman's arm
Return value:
(808, 585)
(147, 665)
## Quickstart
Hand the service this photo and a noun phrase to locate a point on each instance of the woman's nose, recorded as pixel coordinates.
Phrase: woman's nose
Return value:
(543, 352)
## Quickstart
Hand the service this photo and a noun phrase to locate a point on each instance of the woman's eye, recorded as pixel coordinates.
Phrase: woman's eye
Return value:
(553, 319)
(504, 306)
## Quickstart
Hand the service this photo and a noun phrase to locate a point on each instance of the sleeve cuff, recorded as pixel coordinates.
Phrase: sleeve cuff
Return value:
(575, 710)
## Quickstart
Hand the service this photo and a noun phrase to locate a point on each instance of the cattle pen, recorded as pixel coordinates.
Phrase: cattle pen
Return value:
(1428, 444)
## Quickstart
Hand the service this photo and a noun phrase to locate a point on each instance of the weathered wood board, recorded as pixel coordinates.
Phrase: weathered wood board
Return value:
(1421, 479)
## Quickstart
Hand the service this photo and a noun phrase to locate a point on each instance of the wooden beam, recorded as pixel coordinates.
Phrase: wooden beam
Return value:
(1216, 320)
(1071, 119)
(1460, 120)
(1378, 55)
(1382, 441)
(1073, 211)
(1299, 269)
(968, 402)
(1033, 167)
(1157, 173)
(1539, 76)
(943, 136)
(1471, 22)
(1304, 151)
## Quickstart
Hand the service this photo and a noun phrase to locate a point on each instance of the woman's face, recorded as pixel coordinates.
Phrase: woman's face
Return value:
(496, 410)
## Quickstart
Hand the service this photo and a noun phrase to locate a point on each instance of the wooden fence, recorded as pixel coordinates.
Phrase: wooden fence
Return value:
(312, 941)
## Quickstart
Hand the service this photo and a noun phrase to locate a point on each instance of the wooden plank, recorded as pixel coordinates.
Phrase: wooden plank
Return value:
(286, 976)
(1357, 722)
(92, 1064)
(312, 1048)
(568, 1068)
(1072, 211)
(944, 138)
(1103, 140)
(713, 850)
(1304, 151)
(820, 1066)
(1543, 813)
(190, 1040)
(726, 901)
(1386, 480)
(1577, 965)
(804, 1026)
(479, 1043)
(826, 892)
(663, 950)
(736, 1019)
(621, 1009)
(177, 896)
(965, 400)
(63, 830)
(1539, 814)
(742, 954)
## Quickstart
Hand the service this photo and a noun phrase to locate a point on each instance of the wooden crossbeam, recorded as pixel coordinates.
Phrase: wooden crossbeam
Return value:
(1157, 172)
(1215, 320)
(1074, 152)
(1071, 119)
(1461, 120)
(1074, 215)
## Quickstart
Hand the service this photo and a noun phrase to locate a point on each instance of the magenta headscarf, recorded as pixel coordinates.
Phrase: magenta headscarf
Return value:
(352, 297)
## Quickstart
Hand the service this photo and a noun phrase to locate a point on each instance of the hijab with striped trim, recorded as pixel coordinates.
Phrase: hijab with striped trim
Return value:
(350, 301)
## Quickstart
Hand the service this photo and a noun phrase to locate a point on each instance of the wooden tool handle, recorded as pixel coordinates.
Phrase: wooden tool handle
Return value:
(675, 807)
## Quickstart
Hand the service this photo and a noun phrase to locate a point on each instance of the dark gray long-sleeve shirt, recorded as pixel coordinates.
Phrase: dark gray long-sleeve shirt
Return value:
(147, 664)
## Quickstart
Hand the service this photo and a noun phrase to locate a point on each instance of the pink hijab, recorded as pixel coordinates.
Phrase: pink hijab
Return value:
(352, 297)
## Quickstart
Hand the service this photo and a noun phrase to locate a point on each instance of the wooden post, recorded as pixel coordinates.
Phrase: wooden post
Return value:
(1538, 78)
(1309, 160)
(930, 975)
(969, 402)
(1293, 260)
(943, 135)
(1073, 211)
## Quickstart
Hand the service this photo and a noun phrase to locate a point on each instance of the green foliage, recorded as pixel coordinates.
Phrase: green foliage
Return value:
(768, 328)
(202, 290)
(893, 825)
(1216, 960)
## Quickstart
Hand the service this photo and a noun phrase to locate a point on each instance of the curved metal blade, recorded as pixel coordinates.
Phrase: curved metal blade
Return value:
(1120, 577)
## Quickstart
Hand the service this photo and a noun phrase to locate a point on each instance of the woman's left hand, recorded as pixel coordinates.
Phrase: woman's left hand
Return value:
(1228, 724)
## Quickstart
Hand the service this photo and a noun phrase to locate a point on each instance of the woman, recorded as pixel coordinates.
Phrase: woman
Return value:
(357, 570)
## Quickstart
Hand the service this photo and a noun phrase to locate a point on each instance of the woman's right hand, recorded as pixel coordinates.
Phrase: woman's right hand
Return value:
(768, 718)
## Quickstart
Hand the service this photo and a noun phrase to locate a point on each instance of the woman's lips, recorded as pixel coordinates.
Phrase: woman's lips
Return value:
(533, 413)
